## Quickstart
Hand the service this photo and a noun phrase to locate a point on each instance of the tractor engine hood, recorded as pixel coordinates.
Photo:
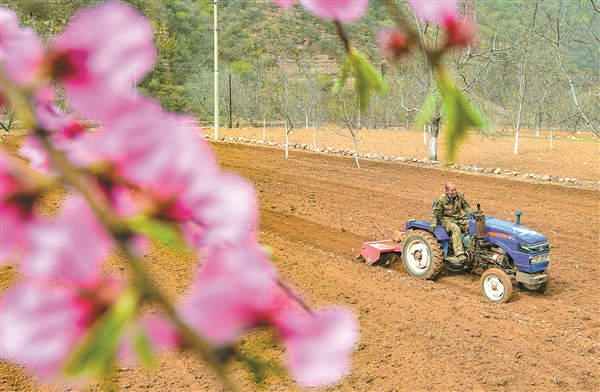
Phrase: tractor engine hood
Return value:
(520, 234)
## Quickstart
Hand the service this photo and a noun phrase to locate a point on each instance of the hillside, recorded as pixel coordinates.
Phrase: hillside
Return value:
(259, 41)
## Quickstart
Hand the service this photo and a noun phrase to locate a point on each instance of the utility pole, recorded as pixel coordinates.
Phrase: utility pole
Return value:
(229, 101)
(216, 68)
(384, 116)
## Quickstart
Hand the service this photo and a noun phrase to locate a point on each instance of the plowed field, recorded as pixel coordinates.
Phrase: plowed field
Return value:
(440, 335)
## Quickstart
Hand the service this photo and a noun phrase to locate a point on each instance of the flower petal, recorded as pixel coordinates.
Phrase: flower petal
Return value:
(285, 3)
(20, 49)
(69, 249)
(342, 10)
(108, 65)
(234, 290)
(434, 10)
(319, 345)
(35, 153)
(40, 325)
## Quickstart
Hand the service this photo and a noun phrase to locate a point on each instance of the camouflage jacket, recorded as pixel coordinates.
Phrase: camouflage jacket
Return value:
(443, 207)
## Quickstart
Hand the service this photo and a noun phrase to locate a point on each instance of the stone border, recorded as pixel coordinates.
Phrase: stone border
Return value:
(419, 161)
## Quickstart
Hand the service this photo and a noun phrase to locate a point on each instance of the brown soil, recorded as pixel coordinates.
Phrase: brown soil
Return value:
(440, 335)
(572, 155)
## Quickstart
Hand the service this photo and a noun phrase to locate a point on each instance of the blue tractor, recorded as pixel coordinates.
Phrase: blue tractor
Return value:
(502, 252)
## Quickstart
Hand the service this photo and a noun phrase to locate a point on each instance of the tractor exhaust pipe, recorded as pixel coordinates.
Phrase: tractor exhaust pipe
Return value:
(479, 223)
(518, 217)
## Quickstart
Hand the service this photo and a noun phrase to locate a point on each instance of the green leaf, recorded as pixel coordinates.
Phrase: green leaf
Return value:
(143, 348)
(158, 230)
(367, 80)
(95, 355)
(259, 368)
(343, 76)
(428, 109)
(459, 114)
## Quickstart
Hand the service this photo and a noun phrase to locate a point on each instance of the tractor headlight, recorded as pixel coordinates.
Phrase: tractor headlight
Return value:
(534, 248)
(540, 258)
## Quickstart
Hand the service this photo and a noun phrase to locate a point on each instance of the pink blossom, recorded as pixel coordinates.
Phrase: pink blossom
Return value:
(394, 44)
(158, 330)
(434, 10)
(342, 10)
(40, 325)
(52, 119)
(285, 3)
(149, 148)
(161, 332)
(224, 206)
(35, 153)
(12, 226)
(8, 177)
(20, 49)
(122, 200)
(162, 154)
(458, 32)
(69, 249)
(319, 345)
(234, 291)
(100, 57)
(15, 209)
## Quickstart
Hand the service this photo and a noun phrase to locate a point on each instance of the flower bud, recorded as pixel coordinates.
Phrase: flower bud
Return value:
(394, 44)
(458, 32)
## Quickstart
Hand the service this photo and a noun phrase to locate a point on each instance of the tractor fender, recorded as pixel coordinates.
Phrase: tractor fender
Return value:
(439, 232)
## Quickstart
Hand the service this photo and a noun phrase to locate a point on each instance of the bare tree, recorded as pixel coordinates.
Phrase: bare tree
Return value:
(7, 119)
(351, 115)
(281, 102)
(521, 98)
(564, 26)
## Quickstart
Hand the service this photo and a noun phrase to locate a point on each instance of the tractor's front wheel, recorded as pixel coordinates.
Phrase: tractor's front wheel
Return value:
(496, 285)
(422, 254)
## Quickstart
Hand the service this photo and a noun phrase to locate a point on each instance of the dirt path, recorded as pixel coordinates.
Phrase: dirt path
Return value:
(415, 335)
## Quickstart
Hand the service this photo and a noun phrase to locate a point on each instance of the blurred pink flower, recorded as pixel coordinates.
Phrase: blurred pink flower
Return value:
(35, 153)
(21, 50)
(42, 323)
(393, 44)
(342, 10)
(162, 154)
(70, 249)
(234, 291)
(100, 57)
(319, 345)
(150, 148)
(159, 331)
(63, 127)
(15, 209)
(39, 326)
(459, 32)
(12, 227)
(434, 10)
(224, 207)
(285, 3)
(8, 177)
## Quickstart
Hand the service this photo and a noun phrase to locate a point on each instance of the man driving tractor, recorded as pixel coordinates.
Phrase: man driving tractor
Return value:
(446, 211)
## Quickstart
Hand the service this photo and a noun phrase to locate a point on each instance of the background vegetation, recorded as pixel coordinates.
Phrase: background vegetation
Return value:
(536, 63)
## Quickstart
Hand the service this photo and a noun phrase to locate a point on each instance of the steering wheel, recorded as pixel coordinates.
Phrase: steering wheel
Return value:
(470, 215)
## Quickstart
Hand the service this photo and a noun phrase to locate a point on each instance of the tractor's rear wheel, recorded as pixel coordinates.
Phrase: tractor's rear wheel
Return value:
(422, 254)
(496, 285)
